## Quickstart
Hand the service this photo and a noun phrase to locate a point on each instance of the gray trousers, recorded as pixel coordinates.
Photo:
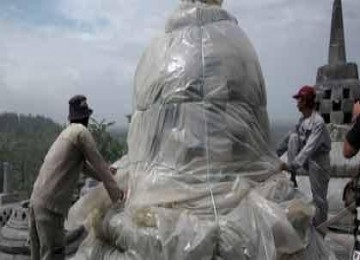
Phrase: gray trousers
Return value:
(47, 235)
(318, 170)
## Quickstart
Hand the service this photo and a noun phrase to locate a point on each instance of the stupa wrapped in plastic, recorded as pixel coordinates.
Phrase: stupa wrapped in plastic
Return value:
(202, 181)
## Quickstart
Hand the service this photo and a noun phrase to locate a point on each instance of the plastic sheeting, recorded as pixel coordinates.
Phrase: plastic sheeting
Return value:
(202, 180)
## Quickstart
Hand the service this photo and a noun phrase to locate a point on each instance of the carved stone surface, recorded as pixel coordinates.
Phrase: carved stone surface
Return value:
(14, 244)
(7, 196)
(5, 213)
(337, 52)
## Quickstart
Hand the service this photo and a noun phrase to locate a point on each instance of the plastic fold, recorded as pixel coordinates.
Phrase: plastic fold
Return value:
(202, 180)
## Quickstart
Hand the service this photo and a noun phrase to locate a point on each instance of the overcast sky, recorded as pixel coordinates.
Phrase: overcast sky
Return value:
(53, 49)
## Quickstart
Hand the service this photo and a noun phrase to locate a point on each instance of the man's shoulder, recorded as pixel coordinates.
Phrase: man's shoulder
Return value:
(318, 119)
(76, 128)
(73, 131)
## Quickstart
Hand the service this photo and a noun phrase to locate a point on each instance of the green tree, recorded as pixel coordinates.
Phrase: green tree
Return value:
(110, 148)
(24, 141)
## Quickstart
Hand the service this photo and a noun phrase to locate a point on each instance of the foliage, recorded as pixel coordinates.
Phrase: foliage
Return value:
(110, 148)
(25, 140)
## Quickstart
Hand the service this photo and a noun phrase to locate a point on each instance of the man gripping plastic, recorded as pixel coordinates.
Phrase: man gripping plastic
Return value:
(308, 146)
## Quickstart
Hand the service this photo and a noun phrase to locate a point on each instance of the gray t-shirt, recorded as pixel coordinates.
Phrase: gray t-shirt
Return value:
(314, 140)
(59, 173)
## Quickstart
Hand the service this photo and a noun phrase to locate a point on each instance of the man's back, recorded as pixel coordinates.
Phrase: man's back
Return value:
(59, 172)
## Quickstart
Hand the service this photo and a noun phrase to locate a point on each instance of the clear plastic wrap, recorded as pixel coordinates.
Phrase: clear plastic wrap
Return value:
(202, 180)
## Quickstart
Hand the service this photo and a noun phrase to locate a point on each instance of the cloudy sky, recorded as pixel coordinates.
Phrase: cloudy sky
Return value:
(52, 49)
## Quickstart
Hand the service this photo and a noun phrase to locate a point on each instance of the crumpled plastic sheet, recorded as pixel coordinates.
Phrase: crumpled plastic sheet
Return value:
(202, 180)
(258, 228)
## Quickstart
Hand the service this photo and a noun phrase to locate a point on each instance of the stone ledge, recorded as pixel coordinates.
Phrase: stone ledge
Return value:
(8, 198)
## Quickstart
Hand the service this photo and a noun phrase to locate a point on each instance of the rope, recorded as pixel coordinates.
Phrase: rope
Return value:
(206, 128)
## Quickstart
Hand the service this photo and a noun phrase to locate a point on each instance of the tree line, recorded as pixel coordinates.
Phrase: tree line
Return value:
(25, 140)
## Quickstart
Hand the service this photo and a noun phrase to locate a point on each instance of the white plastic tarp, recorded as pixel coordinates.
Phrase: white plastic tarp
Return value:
(202, 180)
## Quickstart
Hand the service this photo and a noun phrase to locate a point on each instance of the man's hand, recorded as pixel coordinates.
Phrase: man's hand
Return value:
(356, 110)
(285, 167)
(120, 203)
(113, 170)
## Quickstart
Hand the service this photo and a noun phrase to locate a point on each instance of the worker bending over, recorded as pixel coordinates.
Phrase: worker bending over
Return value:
(52, 193)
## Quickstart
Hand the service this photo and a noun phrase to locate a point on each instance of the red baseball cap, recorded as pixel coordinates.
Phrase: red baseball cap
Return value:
(305, 91)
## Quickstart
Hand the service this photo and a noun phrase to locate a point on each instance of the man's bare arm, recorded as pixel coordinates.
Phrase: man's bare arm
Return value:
(90, 171)
(101, 168)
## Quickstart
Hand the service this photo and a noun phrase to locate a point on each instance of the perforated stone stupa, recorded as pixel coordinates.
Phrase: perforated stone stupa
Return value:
(337, 83)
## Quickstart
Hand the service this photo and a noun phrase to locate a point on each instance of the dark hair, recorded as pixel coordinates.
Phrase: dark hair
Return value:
(83, 121)
(78, 108)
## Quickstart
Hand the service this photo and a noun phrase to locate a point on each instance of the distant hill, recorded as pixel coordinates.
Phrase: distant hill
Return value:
(24, 141)
(278, 130)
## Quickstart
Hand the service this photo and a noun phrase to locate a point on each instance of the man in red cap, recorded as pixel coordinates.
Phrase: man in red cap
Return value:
(58, 176)
(308, 146)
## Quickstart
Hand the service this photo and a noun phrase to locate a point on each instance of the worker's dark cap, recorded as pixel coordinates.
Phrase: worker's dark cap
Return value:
(78, 108)
(305, 91)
